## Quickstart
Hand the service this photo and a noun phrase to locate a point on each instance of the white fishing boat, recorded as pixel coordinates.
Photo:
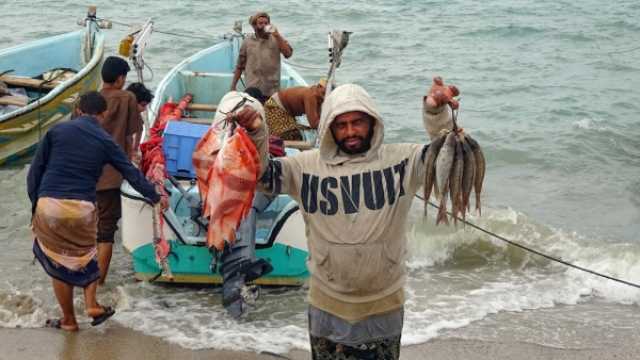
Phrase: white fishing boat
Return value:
(280, 234)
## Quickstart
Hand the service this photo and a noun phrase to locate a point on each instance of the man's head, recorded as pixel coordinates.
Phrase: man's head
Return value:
(114, 71)
(93, 104)
(353, 131)
(259, 21)
(143, 95)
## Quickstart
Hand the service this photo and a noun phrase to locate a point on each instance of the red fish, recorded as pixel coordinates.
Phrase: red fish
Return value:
(232, 184)
(229, 187)
(203, 158)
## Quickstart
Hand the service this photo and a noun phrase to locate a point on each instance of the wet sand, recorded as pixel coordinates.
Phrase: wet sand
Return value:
(116, 342)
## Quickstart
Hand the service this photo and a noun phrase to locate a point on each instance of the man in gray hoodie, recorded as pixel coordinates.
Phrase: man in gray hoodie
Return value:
(355, 193)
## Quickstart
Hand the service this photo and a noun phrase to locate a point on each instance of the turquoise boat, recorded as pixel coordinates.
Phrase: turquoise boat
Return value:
(45, 78)
(280, 235)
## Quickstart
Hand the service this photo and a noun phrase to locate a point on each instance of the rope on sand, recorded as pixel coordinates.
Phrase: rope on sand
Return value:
(511, 242)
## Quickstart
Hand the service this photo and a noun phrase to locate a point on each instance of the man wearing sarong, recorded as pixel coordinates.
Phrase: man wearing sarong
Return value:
(62, 188)
(283, 107)
(123, 122)
(259, 56)
(355, 193)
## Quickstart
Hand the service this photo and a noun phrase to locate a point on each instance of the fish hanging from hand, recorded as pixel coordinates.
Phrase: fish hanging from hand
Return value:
(455, 163)
(231, 162)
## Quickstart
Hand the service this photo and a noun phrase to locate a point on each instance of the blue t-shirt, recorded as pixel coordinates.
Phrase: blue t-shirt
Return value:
(69, 161)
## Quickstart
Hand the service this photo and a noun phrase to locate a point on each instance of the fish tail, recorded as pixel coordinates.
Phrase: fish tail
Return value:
(442, 212)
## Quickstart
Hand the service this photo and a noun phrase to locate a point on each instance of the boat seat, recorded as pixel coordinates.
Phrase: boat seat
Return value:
(27, 82)
(14, 100)
(202, 107)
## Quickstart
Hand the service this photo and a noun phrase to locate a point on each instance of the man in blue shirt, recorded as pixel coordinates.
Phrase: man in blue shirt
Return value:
(62, 188)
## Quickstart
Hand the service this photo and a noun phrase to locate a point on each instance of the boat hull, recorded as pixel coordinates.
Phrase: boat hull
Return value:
(283, 245)
(22, 129)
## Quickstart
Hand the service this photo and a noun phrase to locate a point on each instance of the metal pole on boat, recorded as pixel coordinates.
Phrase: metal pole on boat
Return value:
(139, 44)
(337, 42)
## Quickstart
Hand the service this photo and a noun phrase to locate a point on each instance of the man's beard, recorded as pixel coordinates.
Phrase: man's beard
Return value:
(365, 144)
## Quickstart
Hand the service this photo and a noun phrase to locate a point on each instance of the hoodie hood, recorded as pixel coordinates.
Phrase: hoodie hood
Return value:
(343, 99)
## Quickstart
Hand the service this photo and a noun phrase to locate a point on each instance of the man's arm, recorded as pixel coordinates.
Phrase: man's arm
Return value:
(134, 127)
(311, 108)
(285, 48)
(242, 62)
(118, 159)
(37, 169)
(276, 175)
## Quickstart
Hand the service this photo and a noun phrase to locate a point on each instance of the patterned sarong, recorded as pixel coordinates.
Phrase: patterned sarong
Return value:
(66, 230)
(65, 242)
(280, 122)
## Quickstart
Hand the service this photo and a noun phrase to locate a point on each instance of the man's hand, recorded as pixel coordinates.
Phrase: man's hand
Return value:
(248, 118)
(272, 29)
(441, 94)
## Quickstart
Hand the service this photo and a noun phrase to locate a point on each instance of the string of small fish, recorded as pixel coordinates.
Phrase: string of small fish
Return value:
(455, 166)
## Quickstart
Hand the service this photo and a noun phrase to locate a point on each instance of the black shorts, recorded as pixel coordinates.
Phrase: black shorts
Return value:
(109, 213)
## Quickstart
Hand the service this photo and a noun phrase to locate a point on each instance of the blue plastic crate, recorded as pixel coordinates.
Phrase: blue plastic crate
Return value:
(180, 139)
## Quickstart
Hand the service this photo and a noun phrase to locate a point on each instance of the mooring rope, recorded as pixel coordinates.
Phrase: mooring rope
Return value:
(511, 242)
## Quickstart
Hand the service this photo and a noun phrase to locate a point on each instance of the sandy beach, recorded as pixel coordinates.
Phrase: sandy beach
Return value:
(116, 342)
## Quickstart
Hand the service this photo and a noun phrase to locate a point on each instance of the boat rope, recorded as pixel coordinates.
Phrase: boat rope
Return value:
(549, 257)
(185, 35)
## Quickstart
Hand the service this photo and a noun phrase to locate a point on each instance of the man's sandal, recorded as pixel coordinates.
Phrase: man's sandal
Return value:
(57, 324)
(107, 313)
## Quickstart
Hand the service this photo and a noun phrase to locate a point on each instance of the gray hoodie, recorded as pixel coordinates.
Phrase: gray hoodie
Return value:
(355, 208)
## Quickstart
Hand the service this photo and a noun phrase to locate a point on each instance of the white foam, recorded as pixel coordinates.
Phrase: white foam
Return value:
(589, 124)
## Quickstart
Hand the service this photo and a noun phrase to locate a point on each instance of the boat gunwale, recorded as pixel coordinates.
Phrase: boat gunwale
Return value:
(158, 100)
(95, 60)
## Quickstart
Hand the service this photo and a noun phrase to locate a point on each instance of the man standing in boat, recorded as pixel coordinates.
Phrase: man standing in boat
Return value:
(259, 56)
(355, 194)
(122, 122)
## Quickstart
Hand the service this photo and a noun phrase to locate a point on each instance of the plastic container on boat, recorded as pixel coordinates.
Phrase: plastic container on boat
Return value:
(180, 139)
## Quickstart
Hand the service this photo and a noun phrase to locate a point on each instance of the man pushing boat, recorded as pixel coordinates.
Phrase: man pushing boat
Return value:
(355, 194)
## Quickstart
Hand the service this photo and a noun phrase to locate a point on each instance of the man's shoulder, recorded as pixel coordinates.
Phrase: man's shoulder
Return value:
(250, 39)
(117, 94)
(304, 158)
